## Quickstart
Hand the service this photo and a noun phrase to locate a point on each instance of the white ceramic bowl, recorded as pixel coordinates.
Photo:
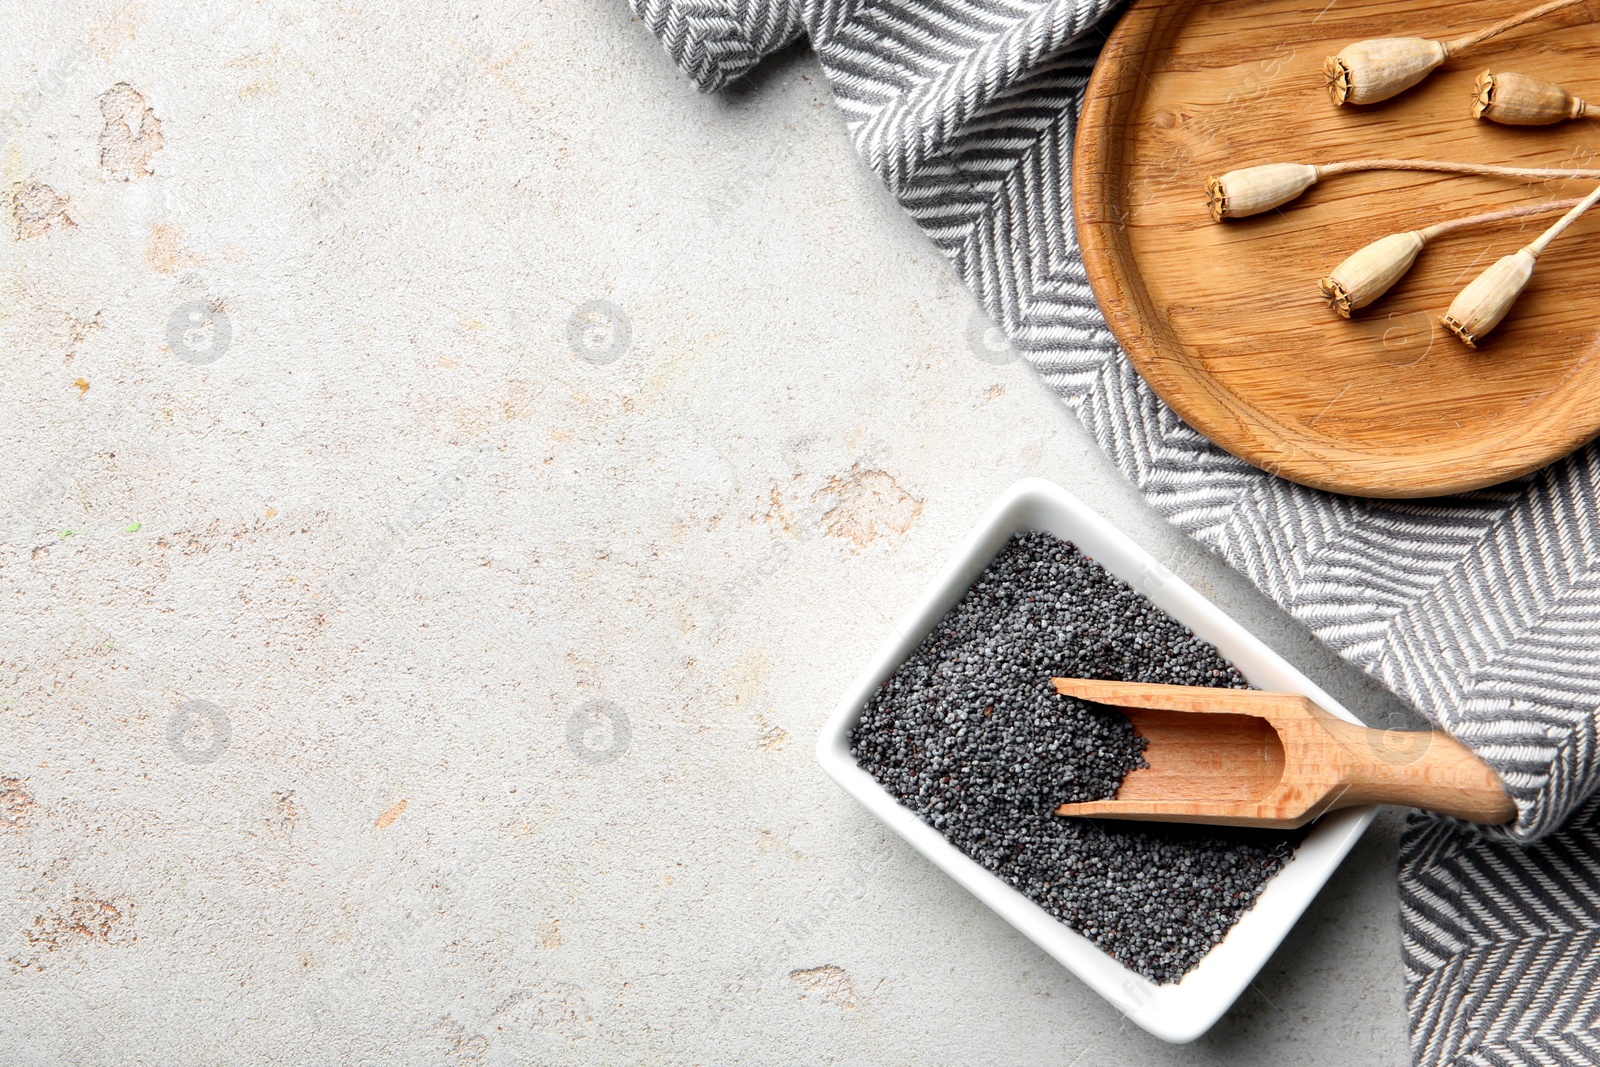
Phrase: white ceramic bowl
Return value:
(1184, 1010)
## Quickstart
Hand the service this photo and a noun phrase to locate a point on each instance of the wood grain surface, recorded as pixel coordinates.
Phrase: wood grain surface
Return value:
(1225, 321)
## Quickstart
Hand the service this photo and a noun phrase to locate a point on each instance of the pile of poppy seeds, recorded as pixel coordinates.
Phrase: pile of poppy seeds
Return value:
(970, 735)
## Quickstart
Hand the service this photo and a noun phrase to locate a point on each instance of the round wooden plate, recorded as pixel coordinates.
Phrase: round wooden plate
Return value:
(1225, 321)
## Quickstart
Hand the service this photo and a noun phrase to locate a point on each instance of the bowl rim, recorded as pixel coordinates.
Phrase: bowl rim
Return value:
(1182, 1011)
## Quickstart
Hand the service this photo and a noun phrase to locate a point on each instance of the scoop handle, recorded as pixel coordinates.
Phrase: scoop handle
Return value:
(1420, 768)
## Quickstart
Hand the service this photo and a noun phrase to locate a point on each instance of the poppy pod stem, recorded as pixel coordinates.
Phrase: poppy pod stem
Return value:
(1544, 239)
(1472, 40)
(1374, 269)
(1439, 166)
(1439, 229)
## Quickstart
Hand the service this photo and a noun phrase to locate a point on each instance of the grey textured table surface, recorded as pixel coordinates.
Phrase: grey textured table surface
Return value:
(451, 468)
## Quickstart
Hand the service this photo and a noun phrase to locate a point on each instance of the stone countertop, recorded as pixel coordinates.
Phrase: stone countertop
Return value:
(452, 468)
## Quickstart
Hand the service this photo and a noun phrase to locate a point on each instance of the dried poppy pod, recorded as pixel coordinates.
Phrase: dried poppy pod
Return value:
(1256, 189)
(1369, 71)
(1518, 100)
(1479, 307)
(1371, 271)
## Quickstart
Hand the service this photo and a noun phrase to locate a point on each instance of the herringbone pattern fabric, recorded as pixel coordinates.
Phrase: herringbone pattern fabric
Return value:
(1482, 610)
(1503, 944)
(715, 42)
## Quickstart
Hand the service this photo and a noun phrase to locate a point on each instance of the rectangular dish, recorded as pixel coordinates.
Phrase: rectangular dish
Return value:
(1184, 1010)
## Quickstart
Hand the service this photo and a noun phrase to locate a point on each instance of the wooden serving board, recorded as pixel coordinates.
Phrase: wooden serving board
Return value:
(1225, 321)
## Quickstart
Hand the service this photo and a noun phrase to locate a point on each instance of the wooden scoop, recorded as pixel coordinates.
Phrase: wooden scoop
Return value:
(1239, 757)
